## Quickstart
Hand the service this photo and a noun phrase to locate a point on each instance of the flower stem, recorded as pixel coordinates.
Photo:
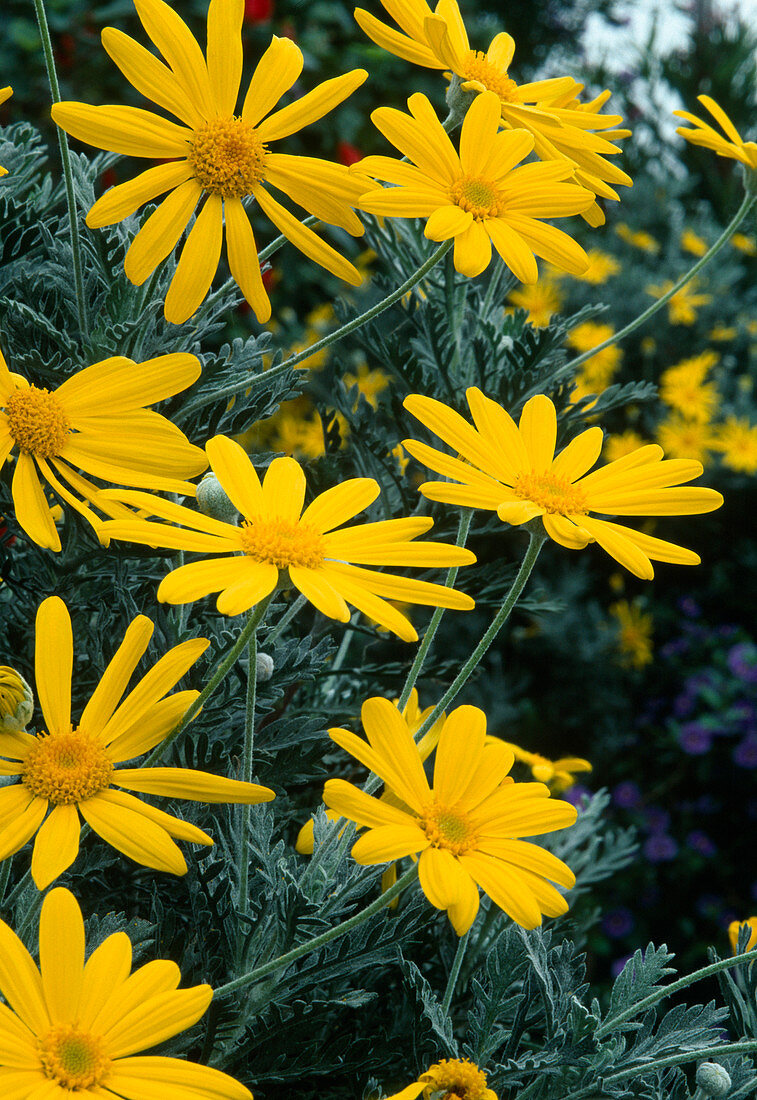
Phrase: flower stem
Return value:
(221, 671)
(674, 987)
(535, 543)
(65, 157)
(255, 616)
(568, 368)
(320, 941)
(295, 608)
(415, 669)
(457, 962)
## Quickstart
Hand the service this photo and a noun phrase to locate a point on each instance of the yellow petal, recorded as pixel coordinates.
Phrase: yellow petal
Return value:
(175, 41)
(21, 983)
(56, 846)
(53, 662)
(530, 857)
(506, 889)
(479, 128)
(196, 786)
(18, 1047)
(550, 243)
(458, 754)
(146, 984)
(174, 826)
(150, 76)
(462, 915)
(115, 679)
(284, 490)
(126, 130)
(305, 239)
(316, 588)
(441, 877)
(126, 198)
(349, 801)
(394, 42)
(538, 429)
(154, 1078)
(148, 731)
(612, 539)
(133, 834)
(197, 264)
(298, 179)
(388, 734)
(120, 385)
(389, 842)
(446, 222)
(243, 258)
(32, 510)
(473, 250)
(225, 52)
(106, 969)
(580, 455)
(61, 954)
(232, 466)
(341, 502)
(276, 72)
(258, 582)
(309, 108)
(158, 236)
(566, 533)
(200, 578)
(157, 1019)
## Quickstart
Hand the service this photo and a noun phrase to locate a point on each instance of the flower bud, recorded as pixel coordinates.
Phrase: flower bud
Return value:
(713, 1079)
(16, 701)
(213, 501)
(263, 667)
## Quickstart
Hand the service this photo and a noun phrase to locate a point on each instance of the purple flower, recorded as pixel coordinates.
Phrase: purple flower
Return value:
(578, 795)
(745, 753)
(656, 819)
(689, 607)
(627, 795)
(684, 704)
(742, 661)
(701, 843)
(660, 848)
(617, 923)
(694, 739)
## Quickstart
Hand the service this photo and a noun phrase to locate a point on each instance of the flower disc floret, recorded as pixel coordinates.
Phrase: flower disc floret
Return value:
(37, 422)
(74, 1059)
(480, 197)
(455, 1079)
(228, 157)
(555, 494)
(66, 767)
(477, 67)
(283, 543)
(448, 827)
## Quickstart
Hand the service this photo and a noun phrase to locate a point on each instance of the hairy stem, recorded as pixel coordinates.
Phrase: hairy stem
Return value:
(457, 962)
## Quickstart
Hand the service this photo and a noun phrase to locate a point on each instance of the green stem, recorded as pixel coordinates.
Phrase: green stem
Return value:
(221, 671)
(248, 751)
(723, 239)
(457, 962)
(65, 157)
(415, 669)
(18, 889)
(674, 987)
(295, 608)
(747, 1046)
(536, 539)
(491, 290)
(265, 377)
(319, 941)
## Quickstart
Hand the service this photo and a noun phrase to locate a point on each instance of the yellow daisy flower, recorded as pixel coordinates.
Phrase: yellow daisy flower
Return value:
(601, 266)
(639, 238)
(276, 537)
(478, 197)
(70, 770)
(72, 1028)
(541, 299)
(561, 125)
(683, 387)
(735, 927)
(732, 145)
(736, 439)
(449, 1079)
(744, 244)
(634, 632)
(5, 93)
(557, 774)
(96, 421)
(691, 242)
(683, 306)
(617, 446)
(597, 372)
(466, 828)
(512, 470)
(215, 157)
(723, 333)
(370, 383)
(682, 438)
(16, 701)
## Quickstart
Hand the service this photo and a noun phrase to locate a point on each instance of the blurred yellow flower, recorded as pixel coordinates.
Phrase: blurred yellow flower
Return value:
(683, 306)
(634, 632)
(736, 439)
(370, 383)
(703, 134)
(744, 244)
(541, 299)
(639, 238)
(596, 374)
(691, 242)
(624, 443)
(683, 438)
(601, 266)
(559, 775)
(723, 333)
(683, 387)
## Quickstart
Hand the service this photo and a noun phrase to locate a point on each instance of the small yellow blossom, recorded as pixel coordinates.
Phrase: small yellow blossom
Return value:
(616, 446)
(639, 238)
(370, 383)
(634, 633)
(736, 439)
(735, 927)
(601, 266)
(683, 387)
(682, 307)
(680, 437)
(744, 244)
(16, 701)
(692, 243)
(541, 299)
(723, 333)
(450, 1079)
(557, 774)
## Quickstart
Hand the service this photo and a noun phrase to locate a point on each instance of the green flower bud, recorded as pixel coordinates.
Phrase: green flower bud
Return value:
(213, 501)
(263, 667)
(713, 1080)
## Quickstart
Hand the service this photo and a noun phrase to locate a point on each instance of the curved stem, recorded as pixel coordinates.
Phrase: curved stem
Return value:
(319, 941)
(247, 753)
(221, 671)
(748, 201)
(65, 157)
(415, 669)
(674, 987)
(295, 608)
(457, 962)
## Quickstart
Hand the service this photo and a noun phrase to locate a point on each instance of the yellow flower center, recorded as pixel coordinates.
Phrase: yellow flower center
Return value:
(66, 767)
(37, 422)
(448, 827)
(283, 543)
(73, 1059)
(480, 197)
(228, 157)
(478, 67)
(556, 495)
(454, 1080)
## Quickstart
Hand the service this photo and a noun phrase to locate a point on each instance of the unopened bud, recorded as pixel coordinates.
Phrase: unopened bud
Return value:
(459, 100)
(213, 501)
(16, 701)
(713, 1079)
(263, 667)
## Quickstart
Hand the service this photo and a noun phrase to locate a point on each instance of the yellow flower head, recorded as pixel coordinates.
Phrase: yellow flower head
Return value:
(692, 243)
(559, 775)
(598, 371)
(512, 470)
(215, 157)
(736, 439)
(96, 421)
(634, 633)
(370, 383)
(541, 299)
(744, 244)
(74, 1029)
(478, 197)
(463, 827)
(683, 387)
(562, 126)
(735, 927)
(681, 437)
(71, 769)
(276, 538)
(638, 238)
(723, 333)
(601, 266)
(617, 446)
(683, 306)
(450, 1079)
(5, 93)
(732, 145)
(16, 701)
